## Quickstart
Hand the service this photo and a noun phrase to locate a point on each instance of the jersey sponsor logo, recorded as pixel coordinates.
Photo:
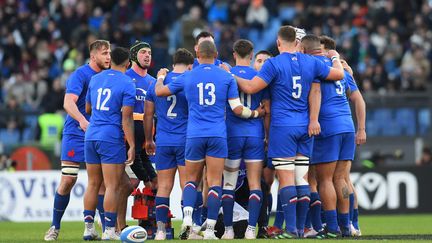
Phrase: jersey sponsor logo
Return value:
(141, 94)
(375, 191)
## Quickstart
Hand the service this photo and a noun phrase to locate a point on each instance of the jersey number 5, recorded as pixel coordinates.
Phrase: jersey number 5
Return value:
(297, 87)
(211, 92)
(107, 95)
(171, 114)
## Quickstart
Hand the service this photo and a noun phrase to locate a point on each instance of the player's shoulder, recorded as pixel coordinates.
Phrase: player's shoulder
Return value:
(130, 72)
(173, 76)
(222, 73)
(150, 78)
(83, 71)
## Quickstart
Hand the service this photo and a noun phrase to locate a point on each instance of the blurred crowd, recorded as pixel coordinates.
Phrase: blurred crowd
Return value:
(388, 43)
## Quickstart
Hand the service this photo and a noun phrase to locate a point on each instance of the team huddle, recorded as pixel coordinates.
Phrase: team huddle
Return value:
(228, 131)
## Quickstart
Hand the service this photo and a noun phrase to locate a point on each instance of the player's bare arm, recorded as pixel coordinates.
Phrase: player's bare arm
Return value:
(150, 146)
(128, 128)
(314, 109)
(71, 108)
(336, 71)
(88, 108)
(360, 110)
(266, 103)
(243, 111)
(160, 88)
(251, 86)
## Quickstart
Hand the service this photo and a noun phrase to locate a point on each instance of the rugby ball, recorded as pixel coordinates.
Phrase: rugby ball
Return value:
(133, 234)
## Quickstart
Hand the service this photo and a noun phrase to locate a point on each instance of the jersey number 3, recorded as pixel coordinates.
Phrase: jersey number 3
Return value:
(210, 88)
(107, 95)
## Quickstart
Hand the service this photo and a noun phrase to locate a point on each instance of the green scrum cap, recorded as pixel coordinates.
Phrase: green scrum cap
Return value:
(135, 48)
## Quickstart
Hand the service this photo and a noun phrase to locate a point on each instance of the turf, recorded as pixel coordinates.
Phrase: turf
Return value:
(394, 228)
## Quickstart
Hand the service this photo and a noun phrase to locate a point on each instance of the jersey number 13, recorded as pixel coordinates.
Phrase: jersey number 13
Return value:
(210, 91)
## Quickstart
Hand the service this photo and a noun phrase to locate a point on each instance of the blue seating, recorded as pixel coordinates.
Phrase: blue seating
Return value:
(31, 121)
(424, 121)
(28, 135)
(9, 137)
(406, 120)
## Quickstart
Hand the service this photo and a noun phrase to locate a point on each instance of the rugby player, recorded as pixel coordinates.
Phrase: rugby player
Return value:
(110, 99)
(245, 142)
(292, 80)
(172, 114)
(77, 121)
(207, 89)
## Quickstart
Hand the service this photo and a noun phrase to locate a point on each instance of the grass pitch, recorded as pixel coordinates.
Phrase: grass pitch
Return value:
(394, 228)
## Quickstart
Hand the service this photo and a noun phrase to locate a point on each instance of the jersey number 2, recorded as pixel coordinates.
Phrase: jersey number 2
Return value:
(211, 92)
(172, 98)
(107, 95)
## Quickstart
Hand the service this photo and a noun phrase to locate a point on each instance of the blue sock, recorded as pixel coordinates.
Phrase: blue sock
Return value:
(228, 207)
(279, 217)
(323, 218)
(343, 221)
(254, 206)
(351, 206)
(196, 216)
(214, 202)
(89, 216)
(60, 204)
(189, 197)
(101, 210)
(308, 223)
(189, 194)
(355, 219)
(288, 199)
(269, 204)
(162, 208)
(331, 219)
(182, 206)
(110, 219)
(204, 212)
(303, 201)
(315, 211)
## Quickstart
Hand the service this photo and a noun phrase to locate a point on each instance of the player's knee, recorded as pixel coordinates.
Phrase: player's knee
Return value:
(66, 184)
(339, 174)
(164, 188)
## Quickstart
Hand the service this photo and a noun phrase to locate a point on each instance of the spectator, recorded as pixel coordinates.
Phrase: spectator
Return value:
(192, 25)
(35, 90)
(12, 116)
(7, 164)
(53, 100)
(426, 157)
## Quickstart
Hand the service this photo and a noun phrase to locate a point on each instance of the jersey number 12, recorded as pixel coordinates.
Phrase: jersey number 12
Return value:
(107, 95)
